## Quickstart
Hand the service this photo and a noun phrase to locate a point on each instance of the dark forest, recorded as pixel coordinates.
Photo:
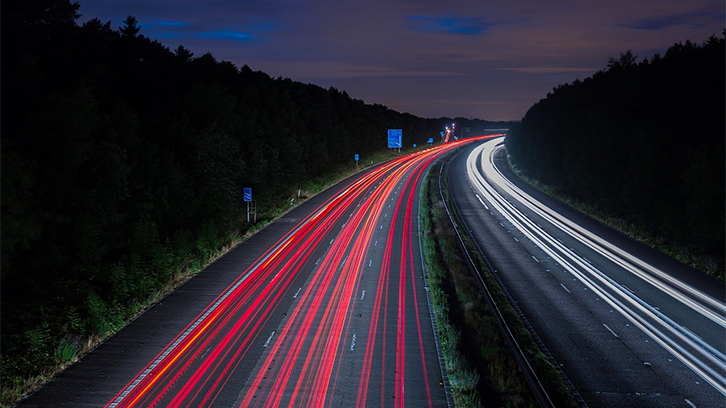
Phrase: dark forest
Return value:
(123, 164)
(642, 142)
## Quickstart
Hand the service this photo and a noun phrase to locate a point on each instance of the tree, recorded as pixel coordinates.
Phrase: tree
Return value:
(130, 27)
(613, 141)
(183, 54)
(626, 60)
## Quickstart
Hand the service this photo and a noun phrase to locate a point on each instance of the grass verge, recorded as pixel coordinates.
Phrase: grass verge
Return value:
(52, 355)
(472, 345)
(684, 254)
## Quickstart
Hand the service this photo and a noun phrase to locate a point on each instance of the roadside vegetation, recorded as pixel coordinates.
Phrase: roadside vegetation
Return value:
(43, 361)
(123, 165)
(479, 365)
(687, 254)
(639, 145)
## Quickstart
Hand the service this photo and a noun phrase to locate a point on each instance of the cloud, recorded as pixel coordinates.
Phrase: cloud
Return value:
(184, 30)
(548, 70)
(695, 20)
(169, 24)
(401, 52)
(449, 24)
(226, 35)
(313, 70)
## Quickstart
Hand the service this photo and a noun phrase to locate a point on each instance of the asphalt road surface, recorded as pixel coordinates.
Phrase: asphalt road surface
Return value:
(628, 326)
(328, 306)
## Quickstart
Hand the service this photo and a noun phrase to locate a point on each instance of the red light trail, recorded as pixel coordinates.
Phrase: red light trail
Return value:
(304, 362)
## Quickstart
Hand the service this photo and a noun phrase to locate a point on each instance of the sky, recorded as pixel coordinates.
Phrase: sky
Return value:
(486, 59)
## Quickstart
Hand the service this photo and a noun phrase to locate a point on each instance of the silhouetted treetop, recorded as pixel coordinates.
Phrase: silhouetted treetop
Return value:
(130, 27)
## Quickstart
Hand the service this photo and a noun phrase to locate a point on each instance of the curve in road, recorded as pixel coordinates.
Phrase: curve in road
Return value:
(597, 306)
(332, 310)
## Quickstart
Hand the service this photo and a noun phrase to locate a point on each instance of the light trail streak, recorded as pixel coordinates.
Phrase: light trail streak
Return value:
(713, 309)
(238, 294)
(301, 360)
(704, 359)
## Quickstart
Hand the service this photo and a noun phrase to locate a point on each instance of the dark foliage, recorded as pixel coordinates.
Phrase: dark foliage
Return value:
(123, 162)
(641, 141)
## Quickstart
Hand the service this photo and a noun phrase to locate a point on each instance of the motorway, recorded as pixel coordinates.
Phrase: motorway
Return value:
(328, 306)
(627, 325)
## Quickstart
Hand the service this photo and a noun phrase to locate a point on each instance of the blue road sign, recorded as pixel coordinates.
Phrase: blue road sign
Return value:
(357, 157)
(394, 138)
(430, 141)
(247, 194)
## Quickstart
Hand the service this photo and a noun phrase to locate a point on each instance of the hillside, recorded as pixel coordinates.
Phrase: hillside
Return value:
(642, 143)
(123, 165)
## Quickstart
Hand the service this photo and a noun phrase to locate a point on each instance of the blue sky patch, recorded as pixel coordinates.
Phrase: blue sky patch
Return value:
(448, 24)
(226, 35)
(182, 30)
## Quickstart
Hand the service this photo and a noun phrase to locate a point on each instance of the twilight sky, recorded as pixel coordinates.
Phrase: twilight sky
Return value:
(488, 59)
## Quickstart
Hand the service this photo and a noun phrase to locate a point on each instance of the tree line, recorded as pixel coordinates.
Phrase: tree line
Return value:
(640, 141)
(123, 162)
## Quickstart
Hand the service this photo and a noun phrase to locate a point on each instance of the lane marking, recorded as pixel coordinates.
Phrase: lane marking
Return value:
(565, 288)
(297, 293)
(481, 201)
(370, 263)
(352, 343)
(610, 330)
(267, 343)
(363, 294)
(535, 259)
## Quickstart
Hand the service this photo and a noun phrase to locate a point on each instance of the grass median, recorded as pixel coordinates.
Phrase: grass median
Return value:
(480, 366)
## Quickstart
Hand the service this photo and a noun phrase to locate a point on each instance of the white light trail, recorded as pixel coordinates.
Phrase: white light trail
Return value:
(705, 360)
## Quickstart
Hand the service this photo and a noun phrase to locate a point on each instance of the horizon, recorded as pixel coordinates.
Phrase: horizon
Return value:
(490, 62)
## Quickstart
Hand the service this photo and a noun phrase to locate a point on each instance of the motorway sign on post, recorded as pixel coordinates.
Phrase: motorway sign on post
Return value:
(356, 159)
(247, 196)
(395, 138)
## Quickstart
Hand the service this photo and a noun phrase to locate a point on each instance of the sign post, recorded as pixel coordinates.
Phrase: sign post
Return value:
(356, 159)
(247, 195)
